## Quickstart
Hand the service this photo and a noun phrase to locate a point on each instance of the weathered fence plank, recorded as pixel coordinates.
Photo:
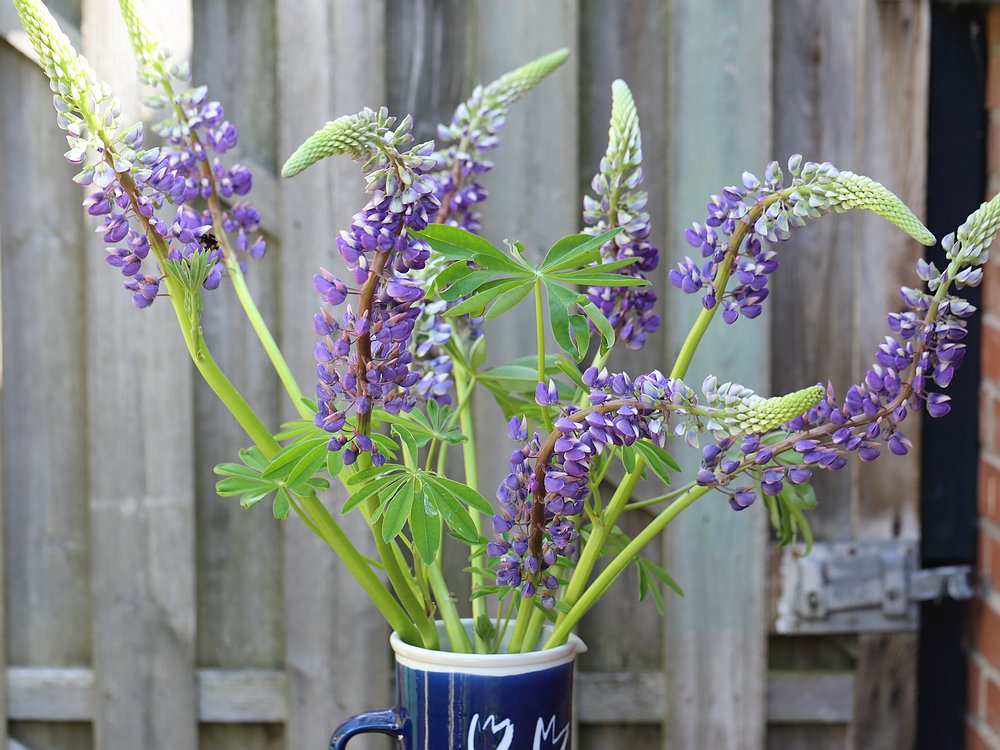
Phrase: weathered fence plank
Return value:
(720, 120)
(893, 145)
(239, 594)
(331, 61)
(142, 514)
(44, 467)
(628, 41)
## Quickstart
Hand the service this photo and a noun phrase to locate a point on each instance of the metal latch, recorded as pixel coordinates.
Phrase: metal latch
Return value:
(850, 587)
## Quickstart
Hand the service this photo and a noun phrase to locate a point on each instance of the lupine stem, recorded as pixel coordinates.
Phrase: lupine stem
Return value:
(619, 563)
(247, 418)
(534, 631)
(598, 537)
(540, 336)
(463, 391)
(449, 613)
(595, 544)
(521, 622)
(236, 276)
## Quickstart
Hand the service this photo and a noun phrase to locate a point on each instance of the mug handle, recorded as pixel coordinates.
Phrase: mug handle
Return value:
(387, 722)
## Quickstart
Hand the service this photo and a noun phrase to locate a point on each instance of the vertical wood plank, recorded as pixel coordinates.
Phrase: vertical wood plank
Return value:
(817, 110)
(720, 118)
(894, 144)
(43, 464)
(331, 61)
(628, 41)
(239, 552)
(141, 480)
(864, 67)
(533, 187)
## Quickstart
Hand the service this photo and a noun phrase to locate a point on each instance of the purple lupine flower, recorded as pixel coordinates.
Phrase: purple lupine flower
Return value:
(544, 492)
(925, 349)
(620, 202)
(364, 356)
(747, 221)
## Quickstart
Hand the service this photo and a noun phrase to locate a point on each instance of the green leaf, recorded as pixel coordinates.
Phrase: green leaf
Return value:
(477, 354)
(308, 465)
(569, 369)
(236, 470)
(508, 299)
(661, 462)
(281, 504)
(288, 457)
(334, 463)
(373, 471)
(238, 485)
(409, 443)
(567, 251)
(452, 242)
(600, 322)
(560, 300)
(471, 498)
(250, 499)
(454, 513)
(457, 270)
(254, 458)
(663, 576)
(627, 454)
(475, 304)
(581, 334)
(397, 511)
(477, 280)
(596, 278)
(370, 489)
(425, 526)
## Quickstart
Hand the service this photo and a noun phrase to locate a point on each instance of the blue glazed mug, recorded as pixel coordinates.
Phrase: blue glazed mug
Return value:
(474, 701)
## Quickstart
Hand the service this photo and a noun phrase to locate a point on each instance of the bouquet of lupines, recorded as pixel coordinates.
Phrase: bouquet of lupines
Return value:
(400, 346)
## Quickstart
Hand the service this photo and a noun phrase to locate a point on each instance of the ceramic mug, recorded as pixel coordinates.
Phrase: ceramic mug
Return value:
(474, 701)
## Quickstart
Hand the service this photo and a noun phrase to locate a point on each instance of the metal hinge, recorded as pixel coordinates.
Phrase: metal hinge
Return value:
(852, 587)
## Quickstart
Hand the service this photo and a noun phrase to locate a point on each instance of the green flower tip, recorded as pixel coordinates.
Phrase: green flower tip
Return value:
(858, 191)
(623, 113)
(770, 413)
(148, 49)
(519, 82)
(350, 134)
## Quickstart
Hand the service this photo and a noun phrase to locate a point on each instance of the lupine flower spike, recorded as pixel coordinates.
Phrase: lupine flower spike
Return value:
(109, 152)
(621, 202)
(363, 356)
(193, 126)
(758, 214)
(472, 132)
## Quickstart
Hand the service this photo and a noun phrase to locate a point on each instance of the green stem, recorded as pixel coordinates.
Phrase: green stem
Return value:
(599, 536)
(263, 332)
(534, 630)
(359, 567)
(449, 613)
(463, 389)
(540, 336)
(659, 498)
(521, 623)
(618, 564)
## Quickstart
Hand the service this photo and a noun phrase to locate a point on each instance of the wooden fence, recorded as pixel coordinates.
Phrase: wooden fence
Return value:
(141, 611)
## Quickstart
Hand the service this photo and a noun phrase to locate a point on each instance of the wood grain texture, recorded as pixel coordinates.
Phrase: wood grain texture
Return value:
(894, 132)
(533, 187)
(239, 552)
(628, 41)
(335, 643)
(141, 479)
(44, 464)
(862, 67)
(720, 120)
